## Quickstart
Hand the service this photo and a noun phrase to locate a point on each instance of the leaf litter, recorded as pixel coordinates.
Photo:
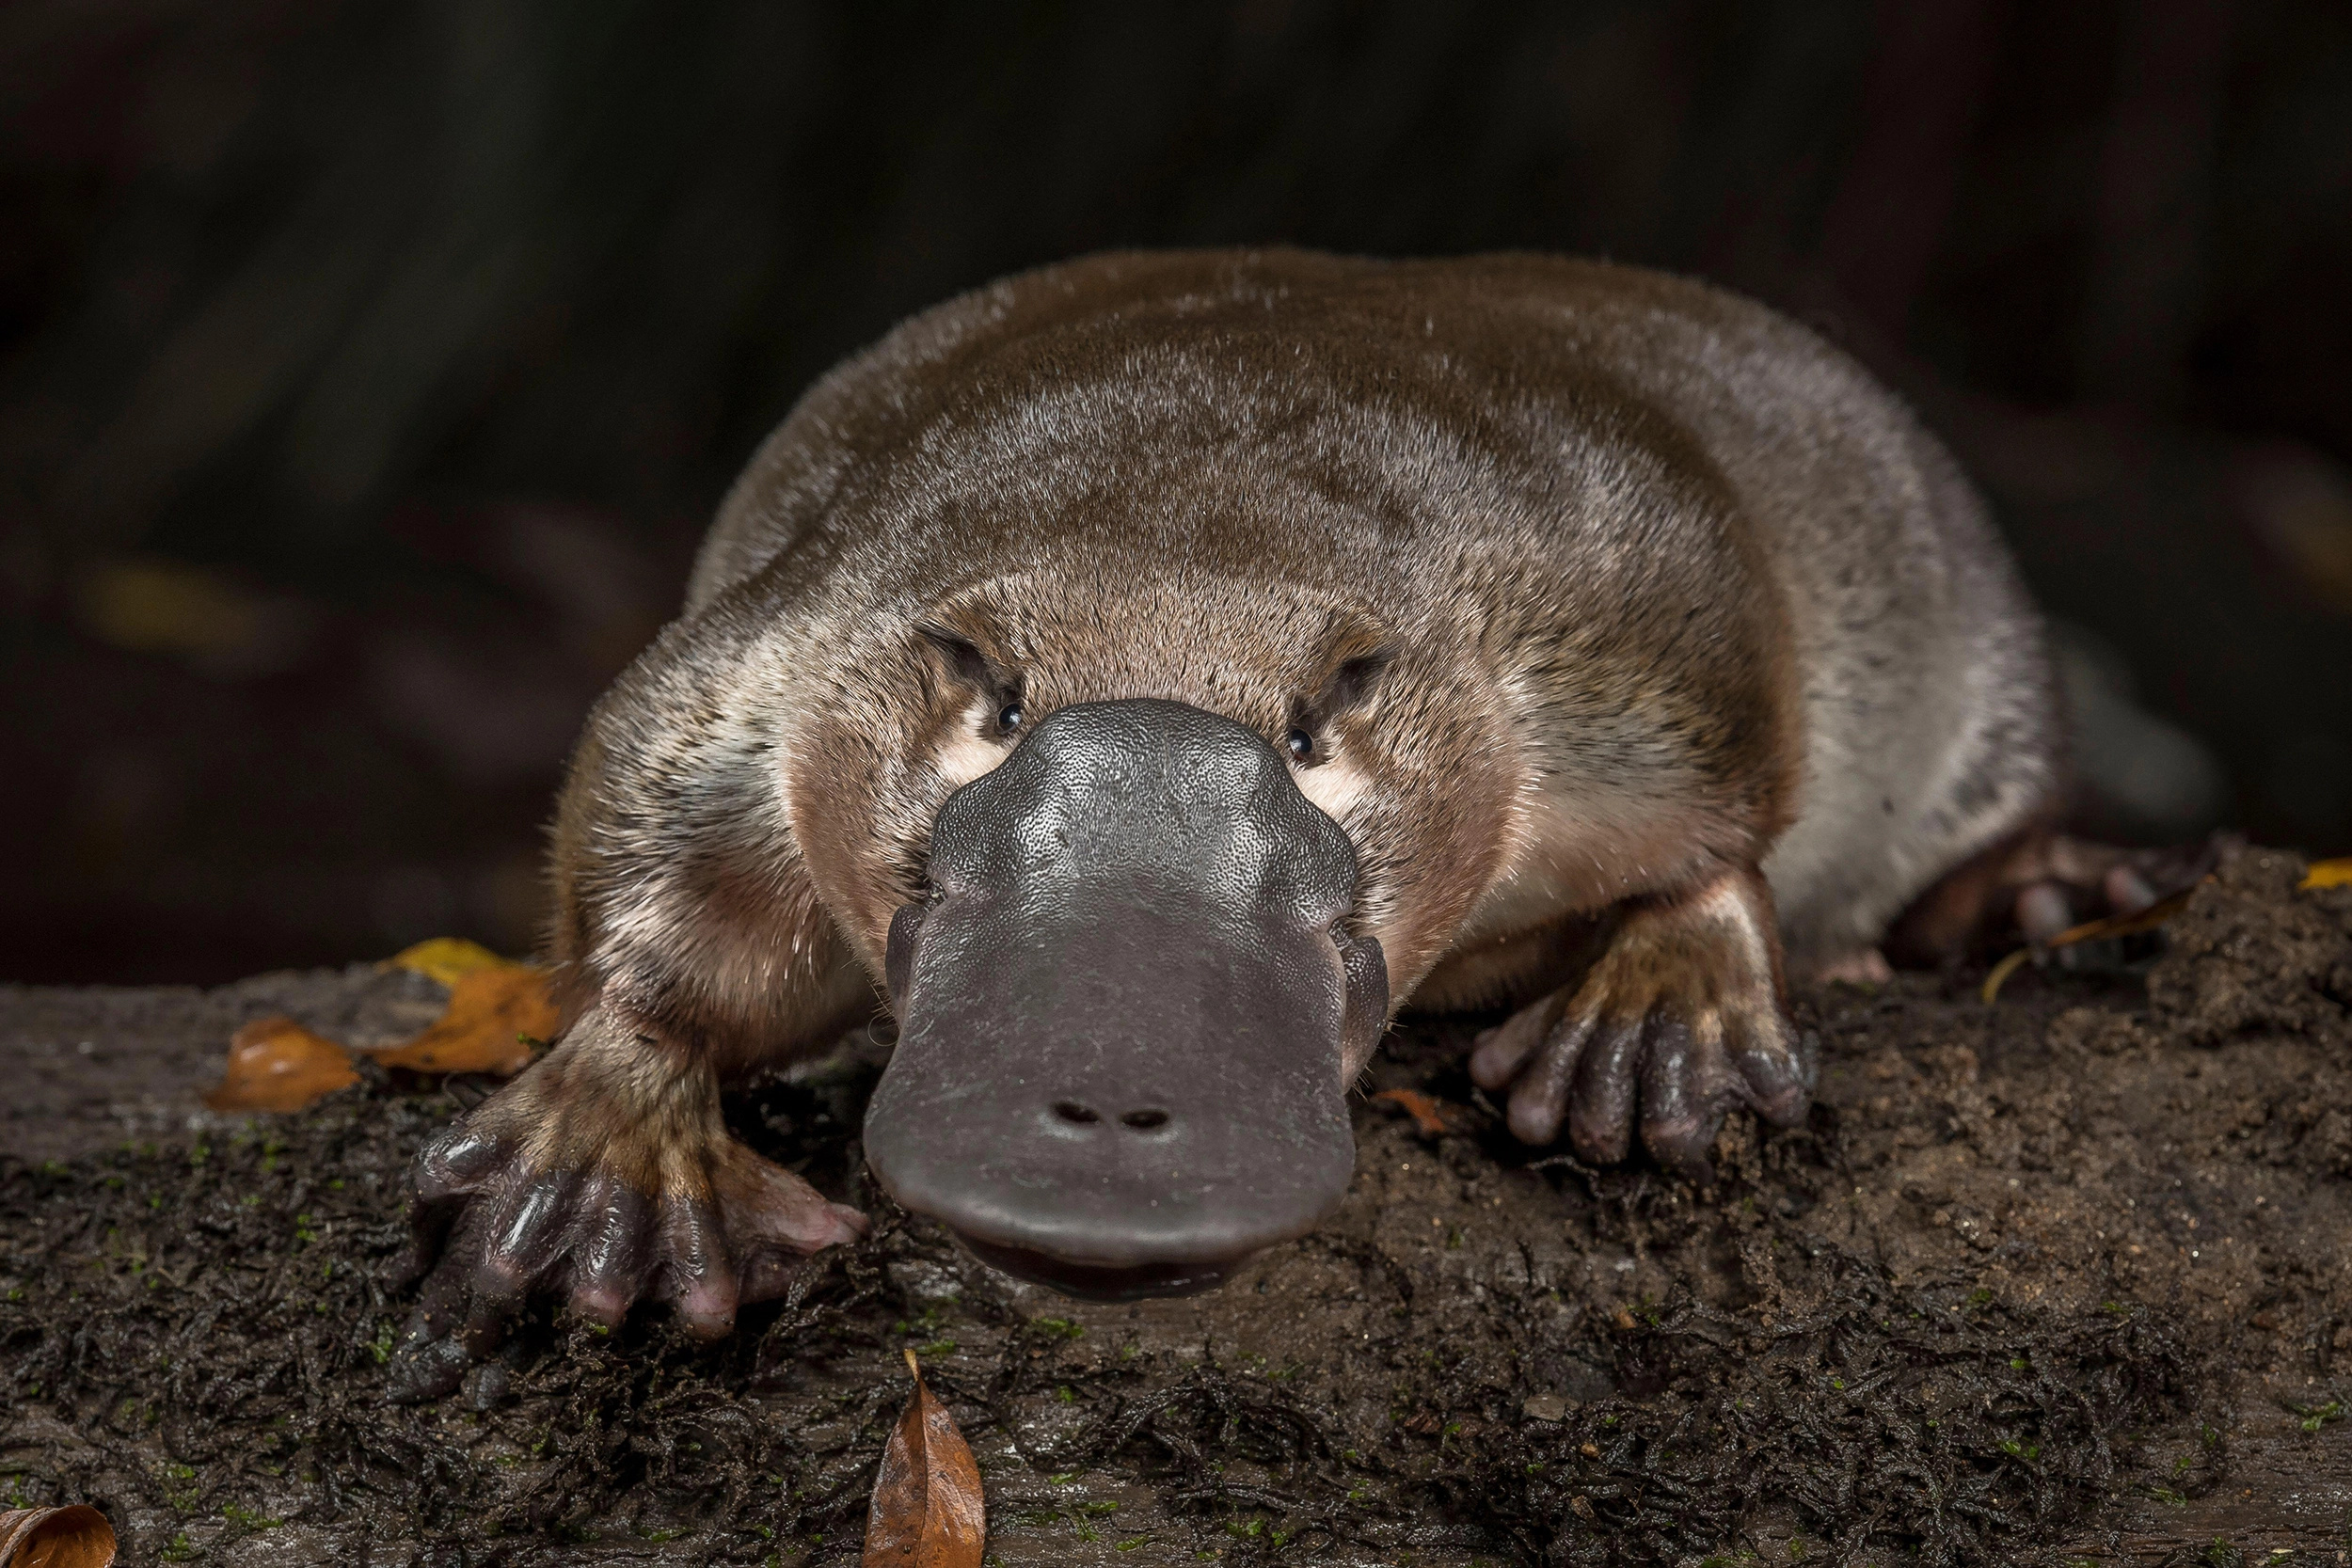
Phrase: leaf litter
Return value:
(499, 1012)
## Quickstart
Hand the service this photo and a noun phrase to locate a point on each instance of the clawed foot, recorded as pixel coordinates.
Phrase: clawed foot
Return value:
(1680, 1018)
(603, 1175)
(2060, 882)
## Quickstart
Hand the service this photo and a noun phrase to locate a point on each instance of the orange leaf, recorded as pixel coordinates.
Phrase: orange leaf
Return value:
(928, 1510)
(2335, 873)
(1428, 1116)
(76, 1537)
(488, 1008)
(274, 1064)
(444, 959)
(2148, 919)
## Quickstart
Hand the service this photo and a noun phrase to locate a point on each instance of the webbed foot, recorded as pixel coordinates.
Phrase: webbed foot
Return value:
(2061, 882)
(1681, 1017)
(2038, 885)
(604, 1175)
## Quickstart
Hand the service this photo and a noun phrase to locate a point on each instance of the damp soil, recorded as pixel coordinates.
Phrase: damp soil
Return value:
(2065, 1278)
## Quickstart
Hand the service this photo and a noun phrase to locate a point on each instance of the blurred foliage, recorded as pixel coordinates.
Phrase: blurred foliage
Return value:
(368, 369)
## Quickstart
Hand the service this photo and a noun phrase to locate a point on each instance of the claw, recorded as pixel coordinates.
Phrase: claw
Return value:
(1541, 1100)
(2127, 892)
(1678, 1114)
(1600, 1114)
(2042, 912)
(425, 1369)
(1502, 1050)
(613, 1251)
(428, 1236)
(1779, 1071)
(703, 1280)
(457, 1160)
(519, 1238)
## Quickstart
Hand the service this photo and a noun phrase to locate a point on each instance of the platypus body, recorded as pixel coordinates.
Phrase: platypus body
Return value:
(1155, 671)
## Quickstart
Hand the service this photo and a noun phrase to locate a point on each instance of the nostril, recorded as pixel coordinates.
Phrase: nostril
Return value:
(1143, 1121)
(1070, 1110)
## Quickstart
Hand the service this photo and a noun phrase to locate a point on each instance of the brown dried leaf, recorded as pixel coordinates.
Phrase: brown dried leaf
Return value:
(2155, 914)
(1428, 1116)
(928, 1510)
(490, 1008)
(274, 1064)
(76, 1537)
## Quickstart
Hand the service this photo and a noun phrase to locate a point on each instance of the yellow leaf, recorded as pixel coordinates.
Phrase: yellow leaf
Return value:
(928, 1511)
(274, 1064)
(2335, 873)
(488, 1008)
(2155, 914)
(2001, 971)
(446, 958)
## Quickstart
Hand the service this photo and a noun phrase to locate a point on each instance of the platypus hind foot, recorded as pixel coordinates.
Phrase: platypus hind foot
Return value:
(2036, 885)
(603, 1174)
(1681, 1017)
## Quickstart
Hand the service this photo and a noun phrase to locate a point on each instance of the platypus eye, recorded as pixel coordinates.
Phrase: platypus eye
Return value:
(1008, 718)
(1301, 744)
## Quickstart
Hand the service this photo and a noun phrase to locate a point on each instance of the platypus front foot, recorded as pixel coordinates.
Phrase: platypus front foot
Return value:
(1681, 1017)
(604, 1174)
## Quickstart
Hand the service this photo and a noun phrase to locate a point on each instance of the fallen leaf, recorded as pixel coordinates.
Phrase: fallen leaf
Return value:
(76, 1537)
(928, 1511)
(491, 1012)
(1428, 1116)
(448, 960)
(274, 1064)
(498, 1010)
(209, 619)
(2148, 919)
(2335, 873)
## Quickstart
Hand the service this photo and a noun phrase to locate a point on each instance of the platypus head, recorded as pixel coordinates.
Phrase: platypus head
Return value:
(1143, 857)
(1127, 1006)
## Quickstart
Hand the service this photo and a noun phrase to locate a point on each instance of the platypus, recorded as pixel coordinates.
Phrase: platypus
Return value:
(1143, 677)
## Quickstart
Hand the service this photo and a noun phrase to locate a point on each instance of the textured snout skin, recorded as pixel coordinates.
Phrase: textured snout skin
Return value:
(1126, 1007)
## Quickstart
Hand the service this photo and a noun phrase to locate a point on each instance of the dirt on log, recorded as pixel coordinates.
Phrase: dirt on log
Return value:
(2065, 1278)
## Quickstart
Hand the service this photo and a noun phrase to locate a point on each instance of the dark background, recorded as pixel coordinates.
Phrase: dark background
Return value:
(368, 371)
